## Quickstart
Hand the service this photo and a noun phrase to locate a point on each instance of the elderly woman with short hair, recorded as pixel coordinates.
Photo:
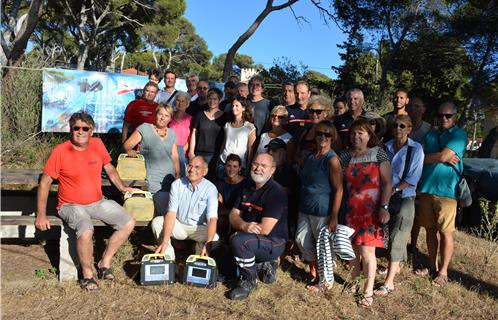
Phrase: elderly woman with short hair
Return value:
(180, 123)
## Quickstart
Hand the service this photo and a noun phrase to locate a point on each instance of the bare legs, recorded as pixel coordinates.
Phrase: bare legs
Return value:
(366, 256)
(84, 246)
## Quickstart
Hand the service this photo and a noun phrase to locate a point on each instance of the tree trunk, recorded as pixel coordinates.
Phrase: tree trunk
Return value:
(82, 56)
(122, 61)
(14, 54)
(227, 68)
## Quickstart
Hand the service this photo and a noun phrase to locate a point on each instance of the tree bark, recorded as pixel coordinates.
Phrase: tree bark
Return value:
(227, 68)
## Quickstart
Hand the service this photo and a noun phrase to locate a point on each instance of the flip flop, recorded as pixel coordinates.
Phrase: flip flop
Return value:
(105, 274)
(383, 291)
(89, 284)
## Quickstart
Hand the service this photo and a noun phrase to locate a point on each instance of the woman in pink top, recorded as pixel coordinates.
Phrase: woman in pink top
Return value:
(180, 123)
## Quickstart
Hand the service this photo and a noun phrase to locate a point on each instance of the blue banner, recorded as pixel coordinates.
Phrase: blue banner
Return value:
(103, 95)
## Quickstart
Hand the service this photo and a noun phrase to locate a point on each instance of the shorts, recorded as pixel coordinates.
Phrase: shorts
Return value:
(79, 216)
(400, 226)
(435, 212)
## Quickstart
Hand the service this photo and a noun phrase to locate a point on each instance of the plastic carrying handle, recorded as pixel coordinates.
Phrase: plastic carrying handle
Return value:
(138, 193)
(194, 257)
(125, 155)
(156, 256)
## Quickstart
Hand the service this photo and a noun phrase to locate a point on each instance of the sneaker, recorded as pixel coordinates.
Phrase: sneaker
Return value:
(269, 271)
(243, 289)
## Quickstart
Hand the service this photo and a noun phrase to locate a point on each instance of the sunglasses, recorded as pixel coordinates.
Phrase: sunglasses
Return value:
(317, 111)
(202, 88)
(277, 116)
(323, 134)
(399, 125)
(445, 115)
(373, 122)
(77, 128)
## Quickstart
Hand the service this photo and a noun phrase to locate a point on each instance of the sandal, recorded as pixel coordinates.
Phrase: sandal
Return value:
(319, 287)
(366, 301)
(440, 281)
(89, 284)
(383, 291)
(105, 274)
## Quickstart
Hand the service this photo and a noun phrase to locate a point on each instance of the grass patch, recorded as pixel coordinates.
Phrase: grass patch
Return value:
(472, 294)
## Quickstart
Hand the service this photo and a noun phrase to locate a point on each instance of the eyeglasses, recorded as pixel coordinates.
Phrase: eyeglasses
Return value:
(323, 134)
(399, 125)
(316, 111)
(277, 116)
(445, 115)
(78, 128)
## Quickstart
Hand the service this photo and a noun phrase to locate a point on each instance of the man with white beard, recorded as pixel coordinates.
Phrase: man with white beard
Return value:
(259, 217)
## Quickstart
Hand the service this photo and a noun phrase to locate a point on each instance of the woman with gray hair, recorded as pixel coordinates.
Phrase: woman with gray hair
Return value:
(277, 120)
(180, 123)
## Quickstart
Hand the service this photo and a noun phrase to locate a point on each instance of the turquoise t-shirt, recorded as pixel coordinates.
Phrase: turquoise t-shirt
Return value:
(440, 179)
(158, 160)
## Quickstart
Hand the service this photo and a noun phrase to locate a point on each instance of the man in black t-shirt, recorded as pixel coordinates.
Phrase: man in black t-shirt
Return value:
(356, 102)
(259, 217)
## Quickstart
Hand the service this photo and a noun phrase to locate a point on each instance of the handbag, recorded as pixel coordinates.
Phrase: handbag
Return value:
(462, 192)
(396, 199)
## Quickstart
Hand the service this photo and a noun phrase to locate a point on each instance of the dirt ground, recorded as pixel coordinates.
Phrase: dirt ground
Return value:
(30, 294)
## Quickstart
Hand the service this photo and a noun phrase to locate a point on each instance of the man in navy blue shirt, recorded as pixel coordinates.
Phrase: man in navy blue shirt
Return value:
(260, 220)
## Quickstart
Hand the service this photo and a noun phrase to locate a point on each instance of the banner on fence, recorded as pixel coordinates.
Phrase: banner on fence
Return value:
(103, 95)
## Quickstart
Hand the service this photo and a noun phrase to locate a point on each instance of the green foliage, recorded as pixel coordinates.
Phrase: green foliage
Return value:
(283, 70)
(240, 61)
(23, 145)
(489, 223)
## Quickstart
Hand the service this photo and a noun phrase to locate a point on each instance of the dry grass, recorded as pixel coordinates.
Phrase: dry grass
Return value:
(472, 294)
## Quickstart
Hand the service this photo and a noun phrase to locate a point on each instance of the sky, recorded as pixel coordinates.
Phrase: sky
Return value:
(221, 22)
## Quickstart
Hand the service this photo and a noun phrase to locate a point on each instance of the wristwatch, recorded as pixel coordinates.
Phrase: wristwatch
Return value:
(384, 206)
(397, 189)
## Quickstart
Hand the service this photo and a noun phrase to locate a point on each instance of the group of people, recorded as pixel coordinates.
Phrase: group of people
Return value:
(228, 166)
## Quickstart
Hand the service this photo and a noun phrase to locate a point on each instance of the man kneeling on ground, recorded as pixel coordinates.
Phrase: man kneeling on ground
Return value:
(259, 217)
(77, 164)
(193, 203)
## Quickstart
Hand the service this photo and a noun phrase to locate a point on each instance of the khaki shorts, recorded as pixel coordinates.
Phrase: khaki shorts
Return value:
(434, 212)
(79, 217)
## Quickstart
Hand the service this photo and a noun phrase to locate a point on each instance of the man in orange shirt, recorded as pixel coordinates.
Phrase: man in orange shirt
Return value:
(77, 164)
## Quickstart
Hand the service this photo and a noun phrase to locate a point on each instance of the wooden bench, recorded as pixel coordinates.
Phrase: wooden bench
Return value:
(69, 263)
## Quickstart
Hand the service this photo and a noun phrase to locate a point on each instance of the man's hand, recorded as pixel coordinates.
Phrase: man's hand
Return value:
(383, 215)
(42, 223)
(252, 227)
(453, 160)
(132, 153)
(129, 189)
(205, 249)
(162, 247)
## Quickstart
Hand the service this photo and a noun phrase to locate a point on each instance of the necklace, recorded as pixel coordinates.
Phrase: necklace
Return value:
(161, 134)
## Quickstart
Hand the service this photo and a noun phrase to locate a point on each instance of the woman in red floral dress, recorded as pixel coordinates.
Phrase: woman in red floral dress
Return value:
(367, 174)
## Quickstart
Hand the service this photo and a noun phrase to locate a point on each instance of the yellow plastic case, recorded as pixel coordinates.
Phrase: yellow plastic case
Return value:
(131, 168)
(140, 205)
